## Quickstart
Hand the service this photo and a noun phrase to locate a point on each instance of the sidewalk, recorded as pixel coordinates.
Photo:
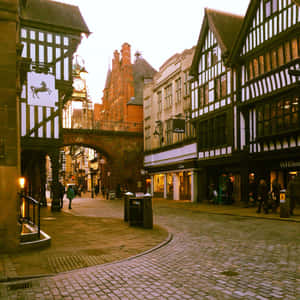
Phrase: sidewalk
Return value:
(81, 241)
(232, 210)
(94, 233)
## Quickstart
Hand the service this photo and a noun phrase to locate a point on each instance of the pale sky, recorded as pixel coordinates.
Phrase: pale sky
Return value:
(157, 28)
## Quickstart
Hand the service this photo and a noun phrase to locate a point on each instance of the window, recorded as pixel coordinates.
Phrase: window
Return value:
(159, 102)
(268, 8)
(212, 133)
(169, 132)
(178, 89)
(278, 117)
(186, 84)
(214, 56)
(168, 96)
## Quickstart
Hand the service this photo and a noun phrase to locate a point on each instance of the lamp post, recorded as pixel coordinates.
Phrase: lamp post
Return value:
(93, 170)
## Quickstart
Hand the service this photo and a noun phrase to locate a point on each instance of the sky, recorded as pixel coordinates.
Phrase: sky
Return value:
(158, 29)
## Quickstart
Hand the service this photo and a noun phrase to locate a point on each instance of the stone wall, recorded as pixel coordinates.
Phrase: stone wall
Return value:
(9, 140)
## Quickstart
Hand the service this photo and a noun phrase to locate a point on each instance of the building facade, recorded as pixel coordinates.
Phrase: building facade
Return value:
(267, 58)
(245, 99)
(169, 138)
(10, 67)
(213, 106)
(50, 33)
(122, 101)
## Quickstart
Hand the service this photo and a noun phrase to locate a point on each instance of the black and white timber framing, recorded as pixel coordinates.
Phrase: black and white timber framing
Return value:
(245, 94)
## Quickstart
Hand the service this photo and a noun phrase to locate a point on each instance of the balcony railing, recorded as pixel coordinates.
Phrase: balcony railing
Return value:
(108, 125)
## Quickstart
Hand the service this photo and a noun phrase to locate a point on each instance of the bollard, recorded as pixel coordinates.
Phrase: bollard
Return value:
(284, 205)
(126, 205)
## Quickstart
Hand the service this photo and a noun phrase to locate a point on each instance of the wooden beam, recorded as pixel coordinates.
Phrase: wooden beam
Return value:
(38, 125)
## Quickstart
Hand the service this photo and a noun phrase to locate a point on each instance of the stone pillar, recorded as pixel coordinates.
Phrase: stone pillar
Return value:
(42, 163)
(202, 185)
(9, 126)
(55, 205)
(165, 186)
(194, 186)
(152, 185)
(176, 186)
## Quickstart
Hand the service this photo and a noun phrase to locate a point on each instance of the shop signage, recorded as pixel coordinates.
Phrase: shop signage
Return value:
(41, 89)
(289, 164)
(178, 125)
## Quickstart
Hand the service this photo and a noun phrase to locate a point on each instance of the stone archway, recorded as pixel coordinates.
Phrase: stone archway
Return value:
(124, 151)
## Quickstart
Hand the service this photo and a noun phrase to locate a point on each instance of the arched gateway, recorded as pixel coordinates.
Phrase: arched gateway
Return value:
(123, 150)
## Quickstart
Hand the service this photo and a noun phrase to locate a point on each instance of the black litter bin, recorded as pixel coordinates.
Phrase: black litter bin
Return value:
(126, 205)
(138, 211)
(135, 212)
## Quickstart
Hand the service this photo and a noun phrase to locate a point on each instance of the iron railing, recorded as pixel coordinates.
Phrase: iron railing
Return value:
(30, 212)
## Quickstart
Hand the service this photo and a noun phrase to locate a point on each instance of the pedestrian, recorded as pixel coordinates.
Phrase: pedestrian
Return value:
(61, 194)
(293, 192)
(252, 198)
(70, 195)
(275, 194)
(229, 190)
(262, 196)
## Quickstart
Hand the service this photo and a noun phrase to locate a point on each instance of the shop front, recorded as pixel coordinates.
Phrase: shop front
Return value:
(173, 184)
(174, 173)
(219, 180)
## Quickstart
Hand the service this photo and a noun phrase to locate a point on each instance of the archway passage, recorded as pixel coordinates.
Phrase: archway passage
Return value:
(123, 151)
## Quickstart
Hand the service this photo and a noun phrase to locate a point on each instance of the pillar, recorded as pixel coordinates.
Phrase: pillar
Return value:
(152, 185)
(165, 186)
(9, 127)
(176, 186)
(194, 186)
(202, 185)
(42, 163)
(54, 156)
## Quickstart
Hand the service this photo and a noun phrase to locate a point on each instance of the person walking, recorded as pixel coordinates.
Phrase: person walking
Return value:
(262, 196)
(70, 195)
(293, 192)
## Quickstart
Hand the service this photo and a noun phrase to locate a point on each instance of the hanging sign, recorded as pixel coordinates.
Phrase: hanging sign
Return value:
(178, 125)
(41, 89)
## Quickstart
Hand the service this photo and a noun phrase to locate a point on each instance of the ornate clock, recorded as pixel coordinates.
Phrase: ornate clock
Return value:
(78, 84)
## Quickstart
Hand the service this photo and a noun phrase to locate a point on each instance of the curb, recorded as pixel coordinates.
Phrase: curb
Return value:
(26, 278)
(244, 216)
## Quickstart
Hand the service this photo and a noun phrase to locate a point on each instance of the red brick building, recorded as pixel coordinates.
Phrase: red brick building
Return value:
(122, 101)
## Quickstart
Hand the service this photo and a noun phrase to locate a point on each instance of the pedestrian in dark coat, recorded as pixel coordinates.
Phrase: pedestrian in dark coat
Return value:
(276, 194)
(293, 192)
(262, 196)
(70, 195)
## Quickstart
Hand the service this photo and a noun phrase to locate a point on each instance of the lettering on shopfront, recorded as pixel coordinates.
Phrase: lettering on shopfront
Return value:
(289, 164)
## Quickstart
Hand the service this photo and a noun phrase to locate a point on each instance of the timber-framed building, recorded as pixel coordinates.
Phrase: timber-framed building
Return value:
(49, 33)
(214, 103)
(266, 55)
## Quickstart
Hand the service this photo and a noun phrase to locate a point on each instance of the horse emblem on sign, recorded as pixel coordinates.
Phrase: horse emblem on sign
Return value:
(42, 89)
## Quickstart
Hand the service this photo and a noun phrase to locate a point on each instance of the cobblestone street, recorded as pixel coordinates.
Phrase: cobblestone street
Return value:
(209, 257)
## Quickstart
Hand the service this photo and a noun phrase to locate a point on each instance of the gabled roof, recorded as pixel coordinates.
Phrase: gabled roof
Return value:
(141, 70)
(226, 28)
(253, 5)
(47, 12)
